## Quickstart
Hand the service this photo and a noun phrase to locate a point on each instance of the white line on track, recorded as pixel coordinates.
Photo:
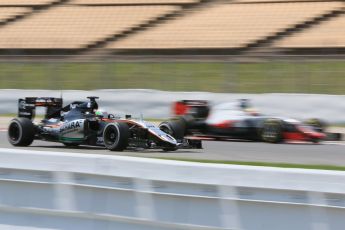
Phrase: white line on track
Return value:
(321, 143)
(334, 143)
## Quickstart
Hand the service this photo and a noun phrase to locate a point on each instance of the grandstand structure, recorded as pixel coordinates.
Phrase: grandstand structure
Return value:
(41, 27)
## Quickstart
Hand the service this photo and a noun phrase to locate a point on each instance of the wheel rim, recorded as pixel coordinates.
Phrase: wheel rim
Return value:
(270, 132)
(110, 136)
(14, 132)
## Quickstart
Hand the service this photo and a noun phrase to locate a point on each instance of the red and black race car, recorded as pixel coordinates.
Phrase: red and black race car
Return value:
(238, 120)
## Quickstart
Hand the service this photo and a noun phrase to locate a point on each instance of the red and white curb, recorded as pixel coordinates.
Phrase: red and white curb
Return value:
(3, 130)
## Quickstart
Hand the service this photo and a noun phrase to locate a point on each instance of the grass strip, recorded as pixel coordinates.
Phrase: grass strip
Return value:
(317, 76)
(265, 164)
(8, 115)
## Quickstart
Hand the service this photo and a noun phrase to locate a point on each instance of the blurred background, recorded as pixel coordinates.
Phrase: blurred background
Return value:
(239, 46)
(229, 49)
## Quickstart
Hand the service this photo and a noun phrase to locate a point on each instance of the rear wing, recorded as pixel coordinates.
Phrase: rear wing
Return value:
(27, 106)
(197, 108)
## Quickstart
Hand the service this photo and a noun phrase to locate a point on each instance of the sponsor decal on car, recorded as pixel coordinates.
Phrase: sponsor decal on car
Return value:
(71, 126)
(25, 113)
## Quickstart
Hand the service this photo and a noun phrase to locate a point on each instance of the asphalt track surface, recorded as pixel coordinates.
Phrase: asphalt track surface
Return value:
(327, 153)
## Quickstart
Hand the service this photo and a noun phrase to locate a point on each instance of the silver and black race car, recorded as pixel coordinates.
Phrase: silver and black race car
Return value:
(81, 123)
(197, 120)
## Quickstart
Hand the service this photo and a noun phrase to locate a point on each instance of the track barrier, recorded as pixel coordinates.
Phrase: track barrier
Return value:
(57, 190)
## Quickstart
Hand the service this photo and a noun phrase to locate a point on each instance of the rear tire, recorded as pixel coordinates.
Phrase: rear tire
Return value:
(21, 132)
(272, 131)
(115, 136)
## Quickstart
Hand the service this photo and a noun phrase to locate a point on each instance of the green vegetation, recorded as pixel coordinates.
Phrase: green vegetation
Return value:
(266, 164)
(8, 115)
(262, 77)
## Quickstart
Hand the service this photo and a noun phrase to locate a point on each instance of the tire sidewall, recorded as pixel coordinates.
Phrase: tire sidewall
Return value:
(26, 132)
(166, 126)
(177, 128)
(122, 135)
(118, 134)
(275, 137)
(20, 137)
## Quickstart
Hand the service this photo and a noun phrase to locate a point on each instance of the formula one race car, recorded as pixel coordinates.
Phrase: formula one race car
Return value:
(81, 123)
(196, 120)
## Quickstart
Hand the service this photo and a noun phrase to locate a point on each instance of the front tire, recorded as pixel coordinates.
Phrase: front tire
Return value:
(175, 128)
(317, 124)
(115, 136)
(272, 131)
(21, 132)
(315, 140)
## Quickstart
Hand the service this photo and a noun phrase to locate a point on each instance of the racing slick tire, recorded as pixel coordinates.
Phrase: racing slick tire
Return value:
(21, 132)
(178, 129)
(272, 131)
(315, 140)
(175, 128)
(115, 136)
(317, 124)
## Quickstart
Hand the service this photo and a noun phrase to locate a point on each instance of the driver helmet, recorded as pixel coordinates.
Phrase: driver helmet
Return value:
(252, 111)
(101, 113)
(244, 104)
